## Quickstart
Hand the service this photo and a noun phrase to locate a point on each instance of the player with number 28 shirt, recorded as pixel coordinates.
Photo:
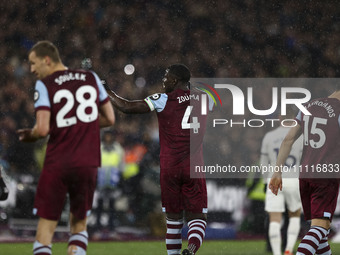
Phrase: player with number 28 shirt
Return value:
(181, 130)
(73, 97)
(71, 106)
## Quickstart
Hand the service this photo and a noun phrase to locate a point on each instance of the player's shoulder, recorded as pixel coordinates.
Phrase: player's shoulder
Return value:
(319, 101)
(335, 102)
(324, 106)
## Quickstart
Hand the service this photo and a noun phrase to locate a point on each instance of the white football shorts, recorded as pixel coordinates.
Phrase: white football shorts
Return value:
(290, 196)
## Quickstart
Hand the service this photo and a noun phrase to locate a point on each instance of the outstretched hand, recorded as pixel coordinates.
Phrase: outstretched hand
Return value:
(106, 86)
(276, 183)
(108, 90)
(25, 135)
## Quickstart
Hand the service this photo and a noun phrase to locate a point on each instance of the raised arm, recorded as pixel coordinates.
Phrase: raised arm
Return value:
(127, 106)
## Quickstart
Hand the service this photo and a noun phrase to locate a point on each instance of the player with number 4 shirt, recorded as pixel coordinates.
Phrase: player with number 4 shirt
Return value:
(181, 131)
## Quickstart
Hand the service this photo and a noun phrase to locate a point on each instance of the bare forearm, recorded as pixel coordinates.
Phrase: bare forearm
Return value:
(119, 102)
(287, 144)
(127, 106)
(107, 116)
(284, 151)
(104, 122)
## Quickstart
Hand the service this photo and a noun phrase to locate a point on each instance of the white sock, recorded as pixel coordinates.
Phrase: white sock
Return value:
(39, 248)
(292, 232)
(275, 237)
(80, 241)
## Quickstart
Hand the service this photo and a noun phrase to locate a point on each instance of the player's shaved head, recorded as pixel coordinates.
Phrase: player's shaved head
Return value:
(181, 72)
(46, 48)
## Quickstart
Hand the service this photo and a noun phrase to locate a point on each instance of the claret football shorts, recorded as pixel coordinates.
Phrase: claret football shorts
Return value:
(53, 186)
(319, 198)
(180, 192)
(289, 196)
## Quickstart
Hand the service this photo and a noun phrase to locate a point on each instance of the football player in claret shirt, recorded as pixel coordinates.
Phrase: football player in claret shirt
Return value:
(182, 197)
(321, 151)
(71, 106)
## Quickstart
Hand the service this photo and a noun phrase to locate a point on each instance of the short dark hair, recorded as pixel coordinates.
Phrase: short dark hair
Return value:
(46, 48)
(181, 71)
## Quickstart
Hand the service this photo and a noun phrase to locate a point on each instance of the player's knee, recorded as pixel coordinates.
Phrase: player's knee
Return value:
(198, 216)
(275, 217)
(297, 213)
(174, 216)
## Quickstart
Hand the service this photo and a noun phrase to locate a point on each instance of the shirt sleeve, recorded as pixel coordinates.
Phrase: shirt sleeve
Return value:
(41, 98)
(157, 101)
(102, 92)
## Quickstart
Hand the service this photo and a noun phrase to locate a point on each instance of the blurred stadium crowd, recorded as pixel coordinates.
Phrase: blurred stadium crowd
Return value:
(217, 38)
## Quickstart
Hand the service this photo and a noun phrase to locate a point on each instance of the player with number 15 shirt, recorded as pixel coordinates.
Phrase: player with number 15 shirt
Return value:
(318, 182)
(321, 138)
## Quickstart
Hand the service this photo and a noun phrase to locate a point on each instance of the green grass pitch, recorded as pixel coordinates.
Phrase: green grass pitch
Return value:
(151, 248)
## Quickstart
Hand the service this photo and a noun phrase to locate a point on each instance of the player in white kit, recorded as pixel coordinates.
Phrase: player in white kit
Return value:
(290, 195)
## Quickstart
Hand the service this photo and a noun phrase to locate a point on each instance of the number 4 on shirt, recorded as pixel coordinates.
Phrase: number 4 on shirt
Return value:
(195, 125)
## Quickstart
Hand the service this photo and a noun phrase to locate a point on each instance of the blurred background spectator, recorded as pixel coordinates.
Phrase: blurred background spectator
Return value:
(109, 179)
